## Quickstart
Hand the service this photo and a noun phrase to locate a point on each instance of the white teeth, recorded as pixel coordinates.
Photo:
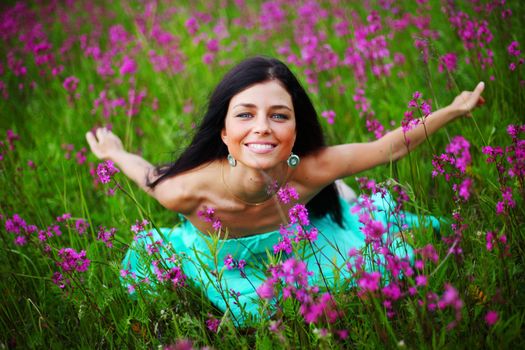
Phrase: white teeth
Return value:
(260, 146)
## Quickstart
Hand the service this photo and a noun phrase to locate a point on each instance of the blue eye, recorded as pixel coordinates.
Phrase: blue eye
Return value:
(244, 115)
(279, 116)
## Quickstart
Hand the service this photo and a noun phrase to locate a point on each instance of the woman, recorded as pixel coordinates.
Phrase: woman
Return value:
(259, 134)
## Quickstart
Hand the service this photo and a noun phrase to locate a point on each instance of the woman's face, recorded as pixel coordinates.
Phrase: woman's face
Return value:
(259, 127)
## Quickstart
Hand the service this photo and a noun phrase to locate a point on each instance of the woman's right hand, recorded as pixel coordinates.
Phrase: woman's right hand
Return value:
(104, 144)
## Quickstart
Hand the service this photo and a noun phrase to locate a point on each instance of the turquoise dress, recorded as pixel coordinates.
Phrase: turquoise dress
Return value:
(202, 257)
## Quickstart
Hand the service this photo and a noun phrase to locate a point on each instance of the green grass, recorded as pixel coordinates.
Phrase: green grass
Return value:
(96, 311)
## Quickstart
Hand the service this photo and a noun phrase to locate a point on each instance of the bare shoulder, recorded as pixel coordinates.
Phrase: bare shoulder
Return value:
(185, 192)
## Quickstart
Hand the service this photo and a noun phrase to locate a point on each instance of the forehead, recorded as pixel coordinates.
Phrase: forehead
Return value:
(263, 94)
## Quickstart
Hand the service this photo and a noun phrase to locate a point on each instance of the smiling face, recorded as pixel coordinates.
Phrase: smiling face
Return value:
(259, 129)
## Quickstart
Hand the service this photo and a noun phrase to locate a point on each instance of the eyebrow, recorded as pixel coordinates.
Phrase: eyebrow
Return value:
(251, 105)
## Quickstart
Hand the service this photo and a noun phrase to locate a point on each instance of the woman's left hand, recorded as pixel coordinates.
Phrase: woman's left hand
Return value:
(468, 100)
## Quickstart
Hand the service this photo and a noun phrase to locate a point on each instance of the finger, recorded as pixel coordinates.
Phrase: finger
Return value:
(91, 139)
(478, 90)
(480, 86)
(100, 133)
(481, 101)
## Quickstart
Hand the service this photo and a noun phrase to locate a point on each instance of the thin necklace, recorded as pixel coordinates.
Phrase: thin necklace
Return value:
(240, 199)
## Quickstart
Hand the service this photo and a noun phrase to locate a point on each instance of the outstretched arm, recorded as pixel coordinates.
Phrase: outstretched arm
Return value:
(107, 146)
(344, 160)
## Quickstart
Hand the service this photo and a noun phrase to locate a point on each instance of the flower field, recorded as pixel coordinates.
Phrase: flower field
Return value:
(145, 69)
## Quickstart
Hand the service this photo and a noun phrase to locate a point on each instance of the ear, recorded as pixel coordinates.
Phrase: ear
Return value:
(224, 136)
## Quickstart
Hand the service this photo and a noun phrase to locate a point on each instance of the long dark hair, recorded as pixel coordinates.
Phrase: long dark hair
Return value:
(207, 144)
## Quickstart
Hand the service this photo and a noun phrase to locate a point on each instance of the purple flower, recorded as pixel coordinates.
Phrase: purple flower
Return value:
(71, 84)
(216, 225)
(272, 15)
(192, 25)
(373, 229)
(284, 244)
(174, 275)
(425, 108)
(64, 217)
(213, 324)
(448, 62)
(450, 298)
(421, 280)
(369, 282)
(428, 252)
(266, 290)
(152, 248)
(392, 291)
(491, 318)
(106, 236)
(208, 58)
(208, 215)
(287, 193)
(463, 189)
(139, 226)
(329, 115)
(212, 45)
(512, 49)
(70, 260)
(59, 280)
(81, 156)
(128, 66)
(308, 235)
(229, 262)
(299, 214)
(105, 171)
(460, 148)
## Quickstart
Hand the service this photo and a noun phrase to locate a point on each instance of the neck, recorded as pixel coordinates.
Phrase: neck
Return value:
(254, 186)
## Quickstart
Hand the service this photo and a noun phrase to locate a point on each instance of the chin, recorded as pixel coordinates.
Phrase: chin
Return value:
(262, 165)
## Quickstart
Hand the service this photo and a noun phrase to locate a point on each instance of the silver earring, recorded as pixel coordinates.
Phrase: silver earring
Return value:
(231, 160)
(293, 160)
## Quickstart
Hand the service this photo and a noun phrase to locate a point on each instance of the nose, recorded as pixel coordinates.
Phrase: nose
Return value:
(262, 125)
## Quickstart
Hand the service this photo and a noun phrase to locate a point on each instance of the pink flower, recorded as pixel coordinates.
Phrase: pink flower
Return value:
(229, 262)
(299, 214)
(213, 324)
(139, 226)
(512, 49)
(191, 25)
(207, 214)
(448, 62)
(71, 84)
(128, 66)
(421, 280)
(425, 108)
(106, 236)
(58, 279)
(265, 290)
(105, 170)
(285, 243)
(287, 193)
(213, 45)
(64, 217)
(208, 58)
(463, 189)
(70, 260)
(491, 318)
(392, 291)
(329, 115)
(369, 282)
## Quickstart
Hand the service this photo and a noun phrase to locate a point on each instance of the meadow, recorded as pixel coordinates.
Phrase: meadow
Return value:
(145, 69)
